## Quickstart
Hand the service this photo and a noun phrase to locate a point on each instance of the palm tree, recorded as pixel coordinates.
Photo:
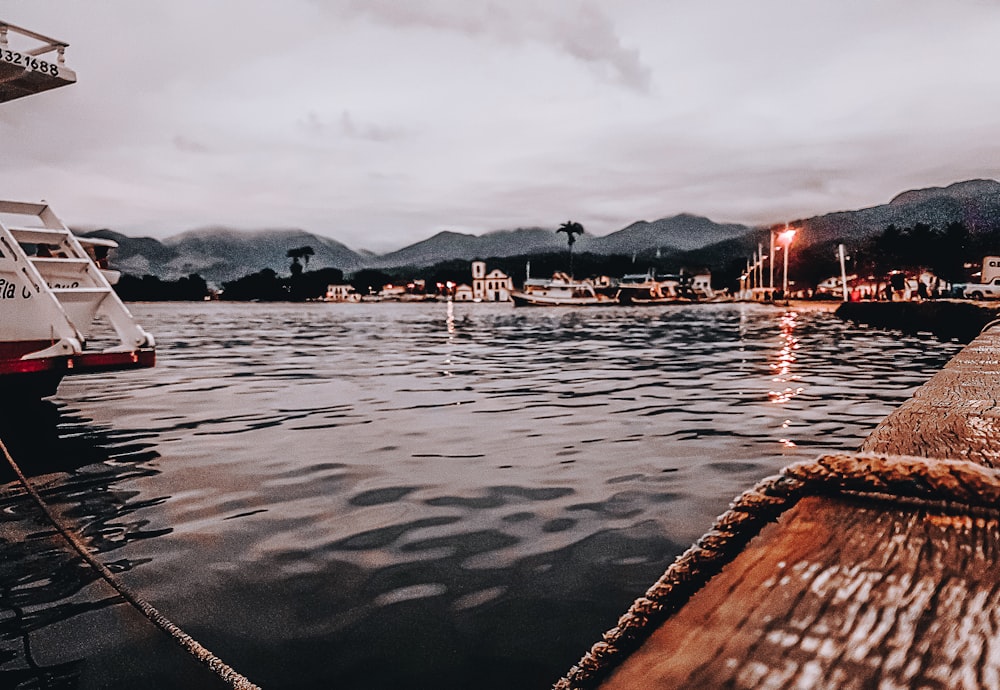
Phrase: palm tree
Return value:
(295, 255)
(299, 253)
(306, 252)
(572, 229)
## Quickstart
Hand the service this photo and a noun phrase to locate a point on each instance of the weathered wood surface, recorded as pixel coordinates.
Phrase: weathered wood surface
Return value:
(954, 415)
(841, 595)
(858, 593)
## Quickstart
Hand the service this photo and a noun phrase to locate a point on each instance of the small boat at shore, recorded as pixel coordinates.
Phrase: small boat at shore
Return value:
(647, 289)
(652, 289)
(55, 287)
(560, 291)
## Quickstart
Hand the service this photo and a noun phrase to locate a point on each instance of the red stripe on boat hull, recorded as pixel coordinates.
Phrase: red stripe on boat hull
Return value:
(15, 349)
(36, 378)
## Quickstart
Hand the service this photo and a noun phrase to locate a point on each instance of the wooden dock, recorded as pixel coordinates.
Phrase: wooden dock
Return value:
(861, 583)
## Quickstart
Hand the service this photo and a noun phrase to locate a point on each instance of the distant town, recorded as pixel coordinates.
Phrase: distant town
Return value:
(921, 261)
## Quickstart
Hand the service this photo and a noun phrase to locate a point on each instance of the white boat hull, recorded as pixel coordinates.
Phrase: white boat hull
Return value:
(525, 299)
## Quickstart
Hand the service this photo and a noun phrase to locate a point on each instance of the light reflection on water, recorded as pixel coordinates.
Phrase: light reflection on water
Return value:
(783, 368)
(440, 495)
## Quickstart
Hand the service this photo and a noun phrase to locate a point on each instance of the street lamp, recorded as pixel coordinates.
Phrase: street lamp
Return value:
(785, 239)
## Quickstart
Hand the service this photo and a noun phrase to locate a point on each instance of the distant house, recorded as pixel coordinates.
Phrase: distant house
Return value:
(463, 293)
(701, 283)
(834, 285)
(494, 286)
(392, 292)
(341, 293)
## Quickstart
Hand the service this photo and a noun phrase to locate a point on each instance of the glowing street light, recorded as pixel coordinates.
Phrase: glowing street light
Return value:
(785, 240)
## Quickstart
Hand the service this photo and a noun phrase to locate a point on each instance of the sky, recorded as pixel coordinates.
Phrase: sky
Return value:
(382, 122)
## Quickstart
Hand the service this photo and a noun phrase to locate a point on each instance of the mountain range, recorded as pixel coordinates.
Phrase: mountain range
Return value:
(220, 254)
(974, 203)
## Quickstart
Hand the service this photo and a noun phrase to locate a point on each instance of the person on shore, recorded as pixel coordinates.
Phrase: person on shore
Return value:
(898, 283)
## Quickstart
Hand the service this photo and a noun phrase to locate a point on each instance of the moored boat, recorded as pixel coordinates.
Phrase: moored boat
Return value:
(560, 291)
(652, 289)
(55, 287)
(52, 294)
(647, 289)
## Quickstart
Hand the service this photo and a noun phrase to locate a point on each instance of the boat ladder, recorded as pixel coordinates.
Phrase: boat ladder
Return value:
(54, 285)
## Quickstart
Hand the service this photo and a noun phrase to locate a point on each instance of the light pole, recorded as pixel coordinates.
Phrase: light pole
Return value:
(770, 265)
(843, 269)
(785, 238)
(760, 264)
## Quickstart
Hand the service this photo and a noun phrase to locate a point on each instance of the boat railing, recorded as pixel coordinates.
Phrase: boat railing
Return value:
(27, 65)
(36, 43)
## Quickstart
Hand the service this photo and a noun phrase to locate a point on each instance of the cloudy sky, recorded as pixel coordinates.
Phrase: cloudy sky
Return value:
(381, 122)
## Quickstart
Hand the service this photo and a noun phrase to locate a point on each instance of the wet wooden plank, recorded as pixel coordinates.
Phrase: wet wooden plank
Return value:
(858, 593)
(840, 594)
(955, 414)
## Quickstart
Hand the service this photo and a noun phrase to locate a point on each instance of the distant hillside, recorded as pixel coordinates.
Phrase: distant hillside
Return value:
(446, 246)
(219, 254)
(682, 232)
(974, 203)
(137, 255)
(222, 254)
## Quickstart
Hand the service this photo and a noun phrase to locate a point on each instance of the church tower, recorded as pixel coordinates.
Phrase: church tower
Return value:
(478, 280)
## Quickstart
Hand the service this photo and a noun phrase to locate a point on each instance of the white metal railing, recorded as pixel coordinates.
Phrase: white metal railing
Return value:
(37, 44)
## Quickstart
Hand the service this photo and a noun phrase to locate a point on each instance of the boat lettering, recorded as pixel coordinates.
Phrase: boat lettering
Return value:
(64, 286)
(8, 290)
(25, 292)
(29, 62)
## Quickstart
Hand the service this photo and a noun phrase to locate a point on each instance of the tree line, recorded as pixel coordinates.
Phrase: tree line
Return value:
(949, 251)
(265, 286)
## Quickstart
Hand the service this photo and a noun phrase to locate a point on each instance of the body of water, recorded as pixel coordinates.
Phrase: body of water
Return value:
(422, 496)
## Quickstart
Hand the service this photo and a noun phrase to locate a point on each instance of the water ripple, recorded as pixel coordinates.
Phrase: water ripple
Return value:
(376, 496)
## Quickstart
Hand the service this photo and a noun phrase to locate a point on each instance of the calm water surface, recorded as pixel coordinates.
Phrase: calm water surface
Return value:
(421, 496)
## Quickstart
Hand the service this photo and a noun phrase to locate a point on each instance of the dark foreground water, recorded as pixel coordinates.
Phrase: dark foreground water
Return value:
(418, 496)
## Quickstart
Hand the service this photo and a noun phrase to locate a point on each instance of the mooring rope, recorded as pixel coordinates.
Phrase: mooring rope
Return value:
(897, 477)
(193, 647)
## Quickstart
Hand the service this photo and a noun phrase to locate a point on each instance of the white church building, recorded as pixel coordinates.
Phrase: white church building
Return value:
(494, 286)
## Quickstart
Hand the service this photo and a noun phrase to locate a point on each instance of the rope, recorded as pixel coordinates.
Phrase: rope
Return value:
(193, 647)
(900, 477)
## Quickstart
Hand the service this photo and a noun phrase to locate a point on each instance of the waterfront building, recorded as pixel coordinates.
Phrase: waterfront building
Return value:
(341, 293)
(494, 286)
(463, 293)
(701, 284)
(392, 293)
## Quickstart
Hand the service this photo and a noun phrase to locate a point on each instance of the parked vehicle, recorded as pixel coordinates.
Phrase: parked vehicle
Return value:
(977, 290)
(989, 285)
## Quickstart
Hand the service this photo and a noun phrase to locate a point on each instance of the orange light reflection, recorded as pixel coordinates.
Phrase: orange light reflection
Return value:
(782, 368)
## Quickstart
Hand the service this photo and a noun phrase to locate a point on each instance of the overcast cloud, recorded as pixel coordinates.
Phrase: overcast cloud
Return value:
(381, 122)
